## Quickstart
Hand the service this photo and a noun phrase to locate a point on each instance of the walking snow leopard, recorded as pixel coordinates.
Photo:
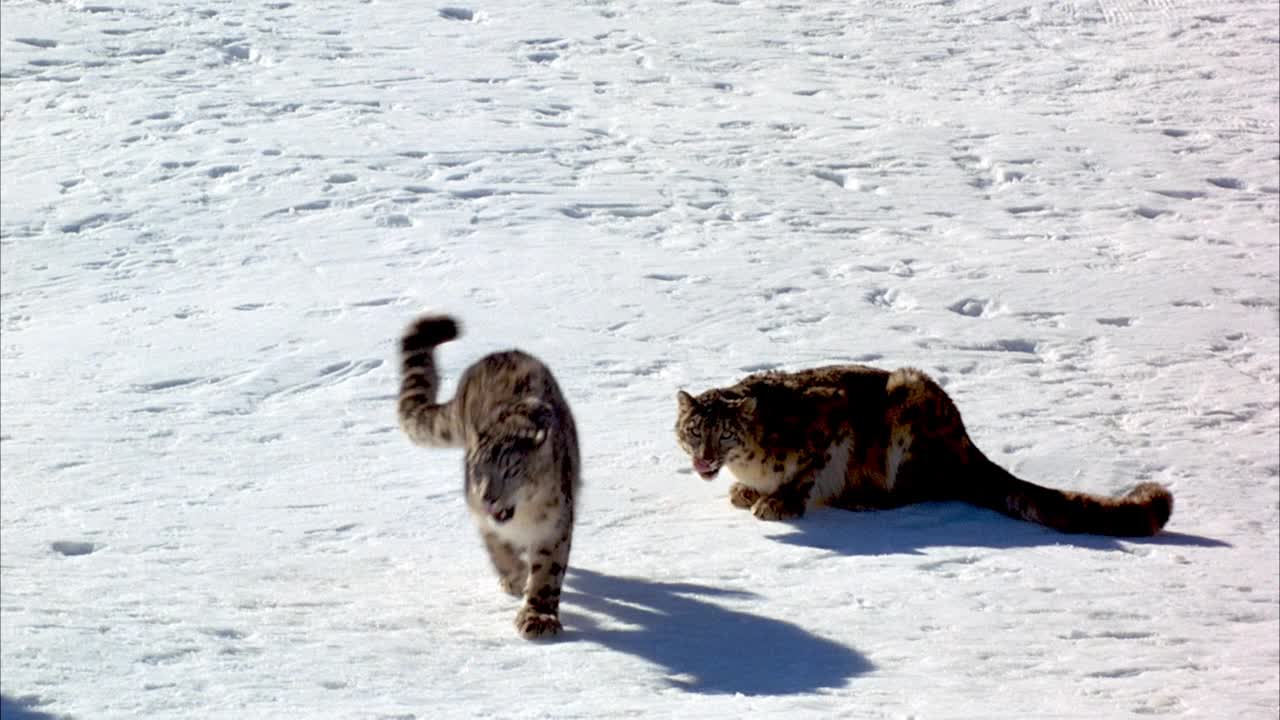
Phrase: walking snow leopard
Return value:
(521, 466)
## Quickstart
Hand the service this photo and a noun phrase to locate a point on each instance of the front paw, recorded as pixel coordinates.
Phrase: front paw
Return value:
(772, 508)
(532, 624)
(741, 496)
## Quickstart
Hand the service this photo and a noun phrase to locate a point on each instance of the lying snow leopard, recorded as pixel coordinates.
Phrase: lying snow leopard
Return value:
(857, 437)
(521, 467)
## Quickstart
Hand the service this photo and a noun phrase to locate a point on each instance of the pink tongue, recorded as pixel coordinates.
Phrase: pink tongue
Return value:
(702, 466)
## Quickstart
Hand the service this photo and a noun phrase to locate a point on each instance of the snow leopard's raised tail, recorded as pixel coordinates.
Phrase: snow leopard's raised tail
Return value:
(425, 421)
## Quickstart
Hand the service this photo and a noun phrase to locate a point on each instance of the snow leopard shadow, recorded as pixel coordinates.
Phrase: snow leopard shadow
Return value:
(25, 707)
(911, 530)
(703, 646)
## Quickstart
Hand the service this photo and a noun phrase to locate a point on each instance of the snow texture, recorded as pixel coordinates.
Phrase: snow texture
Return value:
(218, 216)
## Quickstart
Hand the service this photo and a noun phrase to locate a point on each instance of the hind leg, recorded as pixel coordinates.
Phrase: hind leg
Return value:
(928, 448)
(905, 472)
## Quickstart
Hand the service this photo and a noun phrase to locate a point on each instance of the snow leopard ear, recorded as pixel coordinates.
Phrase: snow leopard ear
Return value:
(746, 407)
(685, 401)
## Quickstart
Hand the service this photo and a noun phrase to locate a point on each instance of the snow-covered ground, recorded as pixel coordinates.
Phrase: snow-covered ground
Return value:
(218, 216)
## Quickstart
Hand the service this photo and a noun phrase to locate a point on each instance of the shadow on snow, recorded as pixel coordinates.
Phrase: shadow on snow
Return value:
(706, 647)
(911, 529)
(22, 708)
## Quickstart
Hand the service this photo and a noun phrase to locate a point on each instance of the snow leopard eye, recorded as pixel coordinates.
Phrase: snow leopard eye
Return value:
(726, 436)
(695, 431)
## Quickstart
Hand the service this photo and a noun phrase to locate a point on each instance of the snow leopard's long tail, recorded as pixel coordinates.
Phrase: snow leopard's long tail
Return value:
(1141, 511)
(425, 421)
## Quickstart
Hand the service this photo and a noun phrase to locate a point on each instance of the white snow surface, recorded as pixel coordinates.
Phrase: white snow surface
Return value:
(217, 218)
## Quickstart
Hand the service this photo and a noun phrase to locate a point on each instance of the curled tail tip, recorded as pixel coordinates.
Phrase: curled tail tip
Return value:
(429, 331)
(1157, 500)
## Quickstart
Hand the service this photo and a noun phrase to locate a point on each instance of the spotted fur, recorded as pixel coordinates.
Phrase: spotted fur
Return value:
(521, 466)
(857, 437)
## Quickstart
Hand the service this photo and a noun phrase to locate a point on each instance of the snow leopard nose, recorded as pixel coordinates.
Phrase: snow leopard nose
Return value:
(485, 489)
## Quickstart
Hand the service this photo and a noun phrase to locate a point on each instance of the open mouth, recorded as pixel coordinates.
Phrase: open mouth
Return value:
(503, 515)
(705, 470)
